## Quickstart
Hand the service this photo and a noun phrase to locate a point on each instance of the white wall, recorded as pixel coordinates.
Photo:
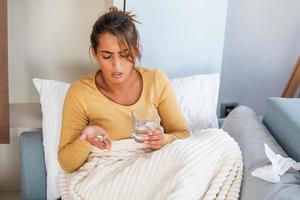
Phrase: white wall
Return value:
(262, 44)
(46, 39)
(49, 39)
(181, 37)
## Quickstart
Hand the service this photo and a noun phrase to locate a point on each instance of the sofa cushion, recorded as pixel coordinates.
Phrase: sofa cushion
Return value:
(282, 118)
(244, 126)
(33, 170)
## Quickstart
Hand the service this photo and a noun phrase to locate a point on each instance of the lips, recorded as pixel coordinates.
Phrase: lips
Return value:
(117, 74)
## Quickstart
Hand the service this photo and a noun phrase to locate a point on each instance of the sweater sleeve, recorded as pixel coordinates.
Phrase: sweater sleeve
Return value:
(171, 117)
(73, 152)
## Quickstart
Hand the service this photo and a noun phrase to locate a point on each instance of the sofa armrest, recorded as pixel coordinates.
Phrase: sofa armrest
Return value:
(33, 170)
(282, 118)
(244, 126)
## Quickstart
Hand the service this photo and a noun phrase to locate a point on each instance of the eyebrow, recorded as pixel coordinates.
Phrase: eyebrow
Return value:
(112, 52)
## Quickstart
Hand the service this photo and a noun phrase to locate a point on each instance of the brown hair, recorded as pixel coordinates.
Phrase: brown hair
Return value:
(120, 24)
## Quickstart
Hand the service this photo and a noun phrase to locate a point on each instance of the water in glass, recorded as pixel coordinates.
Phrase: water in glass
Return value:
(144, 119)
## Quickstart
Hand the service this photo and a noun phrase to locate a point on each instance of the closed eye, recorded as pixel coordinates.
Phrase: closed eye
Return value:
(106, 56)
(124, 53)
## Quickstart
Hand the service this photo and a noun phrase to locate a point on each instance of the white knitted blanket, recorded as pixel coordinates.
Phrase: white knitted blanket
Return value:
(207, 165)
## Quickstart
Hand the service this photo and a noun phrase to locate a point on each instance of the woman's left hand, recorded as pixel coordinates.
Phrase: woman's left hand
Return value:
(155, 139)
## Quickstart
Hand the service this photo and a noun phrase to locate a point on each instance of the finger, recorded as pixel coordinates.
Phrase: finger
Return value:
(157, 147)
(158, 131)
(105, 137)
(106, 144)
(156, 142)
(154, 146)
(109, 141)
(153, 142)
(99, 145)
(100, 138)
(106, 140)
(83, 136)
(154, 137)
(145, 132)
(150, 133)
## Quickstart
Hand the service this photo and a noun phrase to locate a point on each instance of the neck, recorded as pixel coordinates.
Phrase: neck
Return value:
(114, 87)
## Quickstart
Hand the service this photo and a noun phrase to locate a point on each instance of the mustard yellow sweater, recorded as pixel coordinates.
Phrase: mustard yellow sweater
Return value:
(86, 105)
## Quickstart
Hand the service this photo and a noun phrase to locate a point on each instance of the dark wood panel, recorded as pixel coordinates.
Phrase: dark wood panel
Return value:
(4, 105)
(293, 83)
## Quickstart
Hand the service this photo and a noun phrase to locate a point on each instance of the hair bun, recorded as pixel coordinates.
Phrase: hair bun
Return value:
(130, 15)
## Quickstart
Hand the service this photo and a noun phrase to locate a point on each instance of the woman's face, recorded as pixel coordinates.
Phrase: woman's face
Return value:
(114, 62)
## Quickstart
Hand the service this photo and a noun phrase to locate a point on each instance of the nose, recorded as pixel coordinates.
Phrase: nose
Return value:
(116, 62)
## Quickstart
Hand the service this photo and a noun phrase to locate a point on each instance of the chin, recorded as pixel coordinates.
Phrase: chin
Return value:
(117, 80)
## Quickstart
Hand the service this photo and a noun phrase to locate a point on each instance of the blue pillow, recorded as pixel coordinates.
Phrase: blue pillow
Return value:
(282, 118)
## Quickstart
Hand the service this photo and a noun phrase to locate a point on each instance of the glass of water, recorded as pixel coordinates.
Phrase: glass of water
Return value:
(144, 119)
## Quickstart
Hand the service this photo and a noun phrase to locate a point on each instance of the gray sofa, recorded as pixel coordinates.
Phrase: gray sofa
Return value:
(280, 129)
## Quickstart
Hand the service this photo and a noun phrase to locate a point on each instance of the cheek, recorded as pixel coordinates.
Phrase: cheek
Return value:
(103, 62)
(127, 64)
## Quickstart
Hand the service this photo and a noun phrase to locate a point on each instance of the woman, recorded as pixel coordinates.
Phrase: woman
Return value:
(98, 107)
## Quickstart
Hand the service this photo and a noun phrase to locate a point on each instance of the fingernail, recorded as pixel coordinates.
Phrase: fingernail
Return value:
(146, 137)
(150, 133)
(146, 142)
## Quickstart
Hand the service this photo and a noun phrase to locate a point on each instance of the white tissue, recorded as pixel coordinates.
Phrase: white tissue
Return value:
(278, 167)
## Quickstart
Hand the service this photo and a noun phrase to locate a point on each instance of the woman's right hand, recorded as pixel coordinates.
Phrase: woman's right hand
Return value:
(96, 136)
